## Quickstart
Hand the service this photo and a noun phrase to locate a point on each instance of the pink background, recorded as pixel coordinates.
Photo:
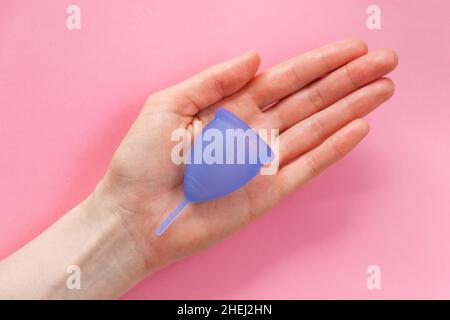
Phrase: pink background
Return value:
(68, 97)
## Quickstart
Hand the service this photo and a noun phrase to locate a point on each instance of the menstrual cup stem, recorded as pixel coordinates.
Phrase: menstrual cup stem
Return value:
(171, 217)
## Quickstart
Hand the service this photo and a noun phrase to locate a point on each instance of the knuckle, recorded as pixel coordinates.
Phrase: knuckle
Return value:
(294, 78)
(337, 149)
(220, 87)
(315, 98)
(350, 78)
(312, 165)
(317, 127)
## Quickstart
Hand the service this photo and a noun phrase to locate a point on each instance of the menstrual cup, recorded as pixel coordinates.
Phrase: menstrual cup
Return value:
(225, 156)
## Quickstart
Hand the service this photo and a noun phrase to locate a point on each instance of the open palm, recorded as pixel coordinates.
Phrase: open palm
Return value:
(316, 100)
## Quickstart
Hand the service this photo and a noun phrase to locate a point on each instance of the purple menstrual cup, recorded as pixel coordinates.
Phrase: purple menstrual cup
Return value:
(227, 155)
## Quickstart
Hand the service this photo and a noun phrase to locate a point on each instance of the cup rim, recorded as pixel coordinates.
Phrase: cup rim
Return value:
(223, 113)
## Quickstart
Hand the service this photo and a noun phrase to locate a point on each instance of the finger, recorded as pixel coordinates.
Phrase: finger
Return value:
(312, 131)
(331, 88)
(291, 75)
(314, 162)
(211, 84)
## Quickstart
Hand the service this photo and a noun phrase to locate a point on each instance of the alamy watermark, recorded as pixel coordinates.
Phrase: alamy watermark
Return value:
(373, 281)
(373, 21)
(73, 281)
(234, 146)
(73, 21)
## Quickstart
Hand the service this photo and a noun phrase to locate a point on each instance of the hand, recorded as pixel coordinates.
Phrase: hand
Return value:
(319, 99)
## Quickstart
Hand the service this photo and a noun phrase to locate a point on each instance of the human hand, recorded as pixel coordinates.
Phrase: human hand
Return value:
(318, 100)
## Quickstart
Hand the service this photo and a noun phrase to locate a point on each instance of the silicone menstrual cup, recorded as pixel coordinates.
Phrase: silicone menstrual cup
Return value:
(226, 156)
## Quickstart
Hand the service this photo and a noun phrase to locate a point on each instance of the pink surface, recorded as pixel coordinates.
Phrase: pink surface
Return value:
(68, 97)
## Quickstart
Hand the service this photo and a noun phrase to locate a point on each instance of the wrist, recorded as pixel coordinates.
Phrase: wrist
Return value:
(115, 240)
(91, 237)
(117, 219)
(102, 246)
